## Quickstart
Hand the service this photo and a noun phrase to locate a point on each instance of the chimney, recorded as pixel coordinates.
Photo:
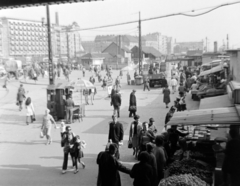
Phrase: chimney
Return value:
(56, 18)
(215, 47)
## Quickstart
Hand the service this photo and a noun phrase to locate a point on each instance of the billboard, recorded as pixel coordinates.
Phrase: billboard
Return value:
(5, 4)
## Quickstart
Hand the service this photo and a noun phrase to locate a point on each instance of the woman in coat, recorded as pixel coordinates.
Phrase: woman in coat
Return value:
(47, 125)
(132, 104)
(166, 96)
(135, 129)
(30, 110)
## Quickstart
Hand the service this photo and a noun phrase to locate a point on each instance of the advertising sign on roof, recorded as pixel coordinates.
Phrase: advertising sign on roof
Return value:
(5, 4)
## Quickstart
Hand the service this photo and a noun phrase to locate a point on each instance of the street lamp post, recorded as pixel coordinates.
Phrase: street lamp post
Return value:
(50, 57)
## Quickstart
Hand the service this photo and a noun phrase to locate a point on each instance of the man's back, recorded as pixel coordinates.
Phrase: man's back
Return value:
(116, 99)
(69, 103)
(116, 132)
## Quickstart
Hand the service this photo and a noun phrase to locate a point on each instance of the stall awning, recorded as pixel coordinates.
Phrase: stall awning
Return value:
(211, 71)
(216, 102)
(227, 115)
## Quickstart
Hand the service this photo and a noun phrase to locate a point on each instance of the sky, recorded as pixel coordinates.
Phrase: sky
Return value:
(214, 25)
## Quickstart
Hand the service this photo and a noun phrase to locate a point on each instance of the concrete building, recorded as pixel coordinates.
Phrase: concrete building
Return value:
(22, 38)
(183, 47)
(1, 30)
(234, 67)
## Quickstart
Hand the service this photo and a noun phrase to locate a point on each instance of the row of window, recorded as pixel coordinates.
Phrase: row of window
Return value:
(40, 39)
(25, 24)
(24, 49)
(28, 29)
(27, 33)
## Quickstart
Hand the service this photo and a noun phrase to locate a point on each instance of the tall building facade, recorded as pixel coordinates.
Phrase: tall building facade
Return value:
(29, 38)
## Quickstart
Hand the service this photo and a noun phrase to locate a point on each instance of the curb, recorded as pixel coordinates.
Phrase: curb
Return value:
(29, 83)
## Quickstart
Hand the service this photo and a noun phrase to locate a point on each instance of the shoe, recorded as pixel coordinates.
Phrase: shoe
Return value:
(83, 165)
(76, 171)
(27, 123)
(63, 171)
(166, 106)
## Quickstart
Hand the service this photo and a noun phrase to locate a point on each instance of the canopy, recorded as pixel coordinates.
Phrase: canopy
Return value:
(82, 83)
(226, 115)
(12, 65)
(212, 70)
(128, 68)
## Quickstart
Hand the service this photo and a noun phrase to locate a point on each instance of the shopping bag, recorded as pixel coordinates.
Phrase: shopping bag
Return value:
(130, 144)
(41, 134)
(33, 117)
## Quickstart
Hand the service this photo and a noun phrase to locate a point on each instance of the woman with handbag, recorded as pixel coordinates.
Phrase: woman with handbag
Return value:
(132, 104)
(135, 129)
(30, 111)
(47, 125)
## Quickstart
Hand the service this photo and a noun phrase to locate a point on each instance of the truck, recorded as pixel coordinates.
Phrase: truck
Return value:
(157, 76)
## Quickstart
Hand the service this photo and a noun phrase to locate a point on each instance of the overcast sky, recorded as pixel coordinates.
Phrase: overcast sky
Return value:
(214, 25)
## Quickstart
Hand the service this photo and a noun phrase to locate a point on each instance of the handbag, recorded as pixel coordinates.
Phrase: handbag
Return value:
(130, 144)
(33, 117)
(41, 134)
(132, 108)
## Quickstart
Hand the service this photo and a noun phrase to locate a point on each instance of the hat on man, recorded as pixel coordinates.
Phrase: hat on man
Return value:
(151, 120)
(136, 117)
(134, 90)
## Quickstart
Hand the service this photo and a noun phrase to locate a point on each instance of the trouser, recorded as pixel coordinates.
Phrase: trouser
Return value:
(69, 115)
(92, 97)
(31, 119)
(86, 99)
(65, 160)
(117, 154)
(146, 86)
(132, 113)
(116, 109)
(160, 176)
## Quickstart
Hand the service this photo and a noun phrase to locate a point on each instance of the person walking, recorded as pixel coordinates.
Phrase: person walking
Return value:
(115, 134)
(91, 94)
(174, 85)
(121, 74)
(142, 172)
(30, 112)
(83, 71)
(117, 83)
(161, 157)
(67, 143)
(47, 126)
(116, 102)
(132, 104)
(135, 129)
(104, 83)
(109, 167)
(146, 84)
(166, 96)
(69, 105)
(20, 97)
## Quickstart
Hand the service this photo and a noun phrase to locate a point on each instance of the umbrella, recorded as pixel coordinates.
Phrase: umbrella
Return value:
(82, 84)
(128, 68)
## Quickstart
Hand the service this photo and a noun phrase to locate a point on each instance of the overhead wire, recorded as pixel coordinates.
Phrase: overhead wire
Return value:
(158, 17)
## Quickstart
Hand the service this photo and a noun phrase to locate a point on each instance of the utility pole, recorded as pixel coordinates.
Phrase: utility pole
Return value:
(75, 46)
(140, 45)
(206, 44)
(51, 79)
(68, 55)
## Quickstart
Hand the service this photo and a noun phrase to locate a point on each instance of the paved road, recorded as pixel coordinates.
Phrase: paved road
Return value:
(25, 160)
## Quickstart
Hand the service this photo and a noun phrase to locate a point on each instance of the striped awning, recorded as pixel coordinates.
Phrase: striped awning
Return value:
(28, 3)
(226, 115)
(212, 70)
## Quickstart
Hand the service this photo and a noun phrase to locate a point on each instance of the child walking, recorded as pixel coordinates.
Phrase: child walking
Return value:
(78, 147)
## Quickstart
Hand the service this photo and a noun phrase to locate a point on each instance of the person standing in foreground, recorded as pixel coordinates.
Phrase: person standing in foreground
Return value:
(116, 102)
(142, 172)
(47, 125)
(132, 104)
(30, 110)
(67, 142)
(69, 106)
(151, 126)
(109, 167)
(115, 134)
(166, 96)
(135, 129)
(160, 155)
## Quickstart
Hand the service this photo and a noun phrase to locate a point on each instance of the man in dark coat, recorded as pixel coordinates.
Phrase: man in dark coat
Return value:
(116, 102)
(20, 96)
(132, 104)
(115, 134)
(142, 172)
(109, 166)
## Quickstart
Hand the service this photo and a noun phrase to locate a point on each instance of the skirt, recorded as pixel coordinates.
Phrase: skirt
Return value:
(135, 141)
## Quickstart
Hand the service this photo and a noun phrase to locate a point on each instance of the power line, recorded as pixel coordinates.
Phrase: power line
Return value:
(163, 16)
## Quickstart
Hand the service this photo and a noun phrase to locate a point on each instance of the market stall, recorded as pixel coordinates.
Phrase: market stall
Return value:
(201, 160)
(211, 83)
